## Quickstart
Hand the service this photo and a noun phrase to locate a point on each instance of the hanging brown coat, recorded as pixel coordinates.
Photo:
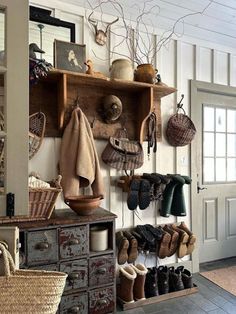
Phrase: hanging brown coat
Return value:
(79, 163)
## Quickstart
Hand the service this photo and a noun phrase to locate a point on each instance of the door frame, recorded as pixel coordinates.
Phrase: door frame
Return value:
(211, 88)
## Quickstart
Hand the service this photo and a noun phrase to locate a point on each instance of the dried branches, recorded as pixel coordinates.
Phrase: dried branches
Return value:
(139, 34)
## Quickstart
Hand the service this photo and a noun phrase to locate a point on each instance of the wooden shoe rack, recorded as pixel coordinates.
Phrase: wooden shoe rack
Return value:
(157, 299)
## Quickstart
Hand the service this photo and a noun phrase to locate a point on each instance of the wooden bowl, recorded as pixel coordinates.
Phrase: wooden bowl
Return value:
(84, 204)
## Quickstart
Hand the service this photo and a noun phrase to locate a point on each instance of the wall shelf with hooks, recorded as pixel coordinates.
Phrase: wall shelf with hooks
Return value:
(56, 95)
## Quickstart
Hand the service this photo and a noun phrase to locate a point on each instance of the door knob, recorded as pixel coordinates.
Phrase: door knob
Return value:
(200, 189)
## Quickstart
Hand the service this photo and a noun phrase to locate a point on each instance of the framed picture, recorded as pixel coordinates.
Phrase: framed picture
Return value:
(69, 56)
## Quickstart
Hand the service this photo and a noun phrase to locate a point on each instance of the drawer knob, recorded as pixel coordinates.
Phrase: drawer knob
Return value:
(73, 242)
(73, 276)
(102, 302)
(74, 309)
(42, 246)
(101, 271)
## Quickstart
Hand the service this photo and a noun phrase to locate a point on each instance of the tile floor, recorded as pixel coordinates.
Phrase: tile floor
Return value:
(210, 298)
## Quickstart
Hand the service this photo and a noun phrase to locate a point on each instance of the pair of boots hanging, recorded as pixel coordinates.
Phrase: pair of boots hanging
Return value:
(173, 202)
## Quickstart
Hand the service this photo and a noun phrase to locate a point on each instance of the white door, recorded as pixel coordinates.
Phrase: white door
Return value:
(213, 170)
(14, 104)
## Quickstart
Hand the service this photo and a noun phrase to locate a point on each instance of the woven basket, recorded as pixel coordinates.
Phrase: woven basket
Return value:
(180, 130)
(42, 200)
(37, 123)
(28, 291)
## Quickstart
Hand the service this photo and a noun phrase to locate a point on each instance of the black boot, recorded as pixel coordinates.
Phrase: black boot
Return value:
(151, 289)
(163, 279)
(175, 279)
(187, 277)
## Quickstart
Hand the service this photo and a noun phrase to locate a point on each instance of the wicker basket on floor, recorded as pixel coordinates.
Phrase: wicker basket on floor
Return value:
(42, 200)
(29, 291)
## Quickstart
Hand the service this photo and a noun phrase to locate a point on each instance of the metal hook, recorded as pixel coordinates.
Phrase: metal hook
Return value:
(180, 105)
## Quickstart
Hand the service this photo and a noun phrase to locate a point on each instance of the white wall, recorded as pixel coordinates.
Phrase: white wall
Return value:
(178, 63)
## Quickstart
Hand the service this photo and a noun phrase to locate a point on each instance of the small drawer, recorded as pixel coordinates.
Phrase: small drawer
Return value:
(101, 301)
(101, 270)
(77, 274)
(77, 303)
(42, 247)
(50, 267)
(73, 241)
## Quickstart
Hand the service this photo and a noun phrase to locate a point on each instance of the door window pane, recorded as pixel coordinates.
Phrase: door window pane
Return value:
(220, 145)
(231, 145)
(208, 120)
(231, 120)
(220, 169)
(220, 120)
(209, 170)
(231, 169)
(209, 140)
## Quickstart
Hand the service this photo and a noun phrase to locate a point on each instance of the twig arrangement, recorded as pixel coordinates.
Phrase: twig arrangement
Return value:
(140, 41)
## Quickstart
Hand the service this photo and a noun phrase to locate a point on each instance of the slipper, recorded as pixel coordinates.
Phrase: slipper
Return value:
(133, 194)
(144, 194)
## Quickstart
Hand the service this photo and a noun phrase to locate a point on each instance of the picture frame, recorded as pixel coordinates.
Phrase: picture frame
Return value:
(69, 56)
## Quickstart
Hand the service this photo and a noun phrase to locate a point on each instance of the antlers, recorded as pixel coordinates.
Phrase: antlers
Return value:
(100, 35)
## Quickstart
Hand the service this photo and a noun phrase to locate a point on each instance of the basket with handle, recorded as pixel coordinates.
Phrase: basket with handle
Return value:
(180, 129)
(28, 291)
(42, 200)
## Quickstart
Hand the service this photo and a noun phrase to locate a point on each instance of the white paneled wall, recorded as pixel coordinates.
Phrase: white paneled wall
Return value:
(177, 63)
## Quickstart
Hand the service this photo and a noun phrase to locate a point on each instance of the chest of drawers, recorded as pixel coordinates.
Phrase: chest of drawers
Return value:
(62, 243)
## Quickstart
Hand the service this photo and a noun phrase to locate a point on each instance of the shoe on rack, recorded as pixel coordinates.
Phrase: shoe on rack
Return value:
(183, 240)
(150, 288)
(144, 194)
(122, 245)
(133, 194)
(139, 281)
(192, 238)
(163, 244)
(187, 277)
(175, 279)
(142, 244)
(163, 279)
(158, 233)
(174, 240)
(178, 207)
(133, 247)
(127, 277)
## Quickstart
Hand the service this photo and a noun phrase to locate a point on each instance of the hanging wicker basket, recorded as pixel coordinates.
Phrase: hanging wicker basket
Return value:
(37, 123)
(180, 129)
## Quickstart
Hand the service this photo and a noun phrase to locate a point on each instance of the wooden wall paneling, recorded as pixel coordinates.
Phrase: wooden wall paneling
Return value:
(44, 97)
(232, 69)
(221, 68)
(205, 64)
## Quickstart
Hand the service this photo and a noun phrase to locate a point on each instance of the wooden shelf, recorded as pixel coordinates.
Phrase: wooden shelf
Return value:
(158, 299)
(56, 95)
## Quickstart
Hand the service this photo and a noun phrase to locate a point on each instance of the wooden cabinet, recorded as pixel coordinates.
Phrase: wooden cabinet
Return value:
(56, 96)
(62, 243)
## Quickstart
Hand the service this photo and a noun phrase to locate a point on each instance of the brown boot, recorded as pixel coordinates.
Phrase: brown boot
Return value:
(192, 238)
(183, 240)
(174, 240)
(163, 244)
(122, 244)
(125, 291)
(133, 247)
(139, 282)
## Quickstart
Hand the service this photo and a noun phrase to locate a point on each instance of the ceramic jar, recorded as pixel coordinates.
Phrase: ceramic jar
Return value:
(145, 73)
(122, 69)
(98, 238)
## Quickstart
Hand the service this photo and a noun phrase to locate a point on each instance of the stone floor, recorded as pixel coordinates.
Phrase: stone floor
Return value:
(210, 298)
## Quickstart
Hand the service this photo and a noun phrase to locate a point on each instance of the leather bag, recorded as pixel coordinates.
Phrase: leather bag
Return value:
(123, 154)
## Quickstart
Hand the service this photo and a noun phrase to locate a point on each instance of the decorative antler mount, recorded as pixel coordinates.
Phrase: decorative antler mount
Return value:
(100, 35)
